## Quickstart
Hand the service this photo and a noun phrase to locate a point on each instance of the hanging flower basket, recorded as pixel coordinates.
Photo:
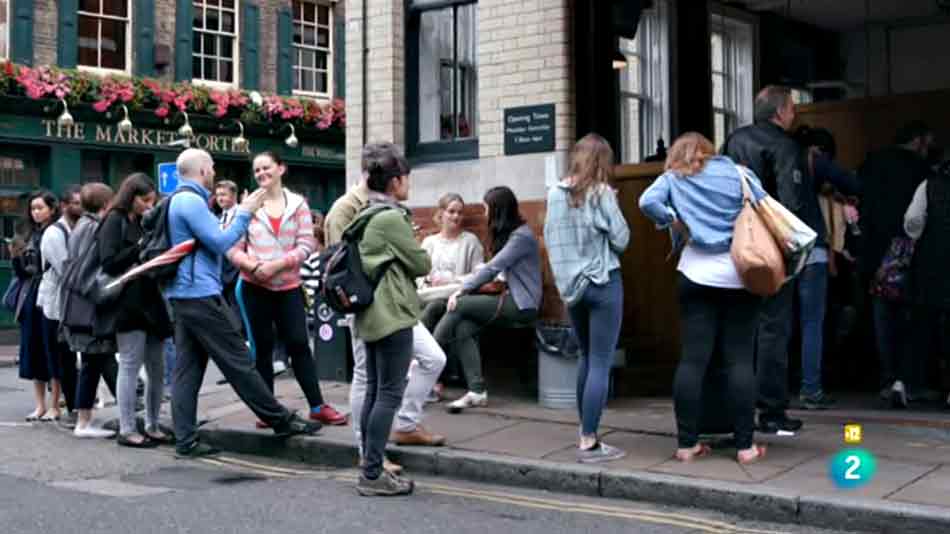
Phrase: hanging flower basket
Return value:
(165, 99)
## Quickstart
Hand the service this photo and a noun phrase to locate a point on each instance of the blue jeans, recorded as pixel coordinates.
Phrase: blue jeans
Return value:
(596, 319)
(170, 357)
(812, 296)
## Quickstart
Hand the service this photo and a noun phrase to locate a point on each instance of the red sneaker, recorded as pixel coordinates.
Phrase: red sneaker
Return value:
(328, 416)
(261, 424)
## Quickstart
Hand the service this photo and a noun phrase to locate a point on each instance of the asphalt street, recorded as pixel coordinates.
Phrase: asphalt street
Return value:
(51, 482)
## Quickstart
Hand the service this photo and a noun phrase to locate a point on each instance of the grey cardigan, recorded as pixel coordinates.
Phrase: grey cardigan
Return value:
(520, 261)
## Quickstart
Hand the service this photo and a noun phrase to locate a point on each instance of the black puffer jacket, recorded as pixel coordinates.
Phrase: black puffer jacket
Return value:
(140, 305)
(780, 163)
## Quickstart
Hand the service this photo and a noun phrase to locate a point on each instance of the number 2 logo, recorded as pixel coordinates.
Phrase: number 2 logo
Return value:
(854, 464)
(852, 468)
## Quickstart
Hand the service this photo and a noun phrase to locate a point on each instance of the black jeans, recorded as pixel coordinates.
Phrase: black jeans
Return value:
(771, 351)
(284, 309)
(95, 366)
(932, 337)
(723, 320)
(65, 361)
(207, 327)
(387, 362)
(893, 328)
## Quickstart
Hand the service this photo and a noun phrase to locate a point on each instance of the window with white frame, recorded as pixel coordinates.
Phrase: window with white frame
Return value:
(105, 39)
(732, 48)
(4, 29)
(644, 86)
(215, 41)
(312, 54)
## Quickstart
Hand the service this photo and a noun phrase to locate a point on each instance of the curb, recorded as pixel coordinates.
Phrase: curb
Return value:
(743, 500)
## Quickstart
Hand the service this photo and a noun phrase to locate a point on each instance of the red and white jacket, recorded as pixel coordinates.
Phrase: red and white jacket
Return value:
(294, 242)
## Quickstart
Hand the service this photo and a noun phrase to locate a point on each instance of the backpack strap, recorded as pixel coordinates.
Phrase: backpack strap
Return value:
(355, 235)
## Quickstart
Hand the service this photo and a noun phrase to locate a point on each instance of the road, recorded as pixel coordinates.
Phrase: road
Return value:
(51, 482)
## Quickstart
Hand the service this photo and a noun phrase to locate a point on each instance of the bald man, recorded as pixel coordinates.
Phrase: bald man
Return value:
(205, 326)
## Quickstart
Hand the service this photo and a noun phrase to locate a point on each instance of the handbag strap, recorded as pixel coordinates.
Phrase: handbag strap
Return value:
(744, 180)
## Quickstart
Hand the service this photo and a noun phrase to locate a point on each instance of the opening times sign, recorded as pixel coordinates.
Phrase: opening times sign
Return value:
(529, 129)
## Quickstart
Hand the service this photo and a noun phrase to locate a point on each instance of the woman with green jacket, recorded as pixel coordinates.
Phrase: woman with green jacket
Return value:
(389, 251)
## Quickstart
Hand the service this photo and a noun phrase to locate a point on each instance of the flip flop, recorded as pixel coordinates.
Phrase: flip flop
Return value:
(48, 417)
(35, 417)
(704, 450)
(147, 443)
(759, 454)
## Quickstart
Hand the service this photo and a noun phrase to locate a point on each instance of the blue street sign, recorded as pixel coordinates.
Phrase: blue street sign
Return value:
(167, 178)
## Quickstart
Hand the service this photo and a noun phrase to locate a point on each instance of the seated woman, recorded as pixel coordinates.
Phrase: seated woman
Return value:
(516, 256)
(700, 195)
(455, 253)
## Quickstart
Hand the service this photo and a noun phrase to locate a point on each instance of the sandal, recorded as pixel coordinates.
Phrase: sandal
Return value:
(35, 416)
(126, 441)
(159, 437)
(703, 450)
(51, 415)
(751, 458)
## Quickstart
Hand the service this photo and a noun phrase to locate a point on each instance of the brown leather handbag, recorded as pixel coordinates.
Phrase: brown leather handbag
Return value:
(758, 259)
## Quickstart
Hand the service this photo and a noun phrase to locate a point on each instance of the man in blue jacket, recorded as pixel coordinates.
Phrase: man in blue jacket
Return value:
(205, 326)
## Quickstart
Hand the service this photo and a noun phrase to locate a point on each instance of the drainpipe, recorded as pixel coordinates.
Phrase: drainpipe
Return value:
(365, 74)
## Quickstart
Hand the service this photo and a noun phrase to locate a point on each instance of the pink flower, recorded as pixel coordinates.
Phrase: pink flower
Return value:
(101, 106)
(162, 111)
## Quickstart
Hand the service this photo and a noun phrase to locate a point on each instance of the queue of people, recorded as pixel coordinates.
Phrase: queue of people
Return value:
(255, 275)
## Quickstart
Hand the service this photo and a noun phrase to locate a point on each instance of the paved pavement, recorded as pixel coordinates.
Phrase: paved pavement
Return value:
(52, 482)
(8, 355)
(912, 450)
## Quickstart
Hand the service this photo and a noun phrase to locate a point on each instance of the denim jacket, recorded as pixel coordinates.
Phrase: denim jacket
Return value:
(707, 203)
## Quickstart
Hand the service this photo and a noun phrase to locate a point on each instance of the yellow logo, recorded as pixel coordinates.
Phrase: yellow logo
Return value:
(852, 434)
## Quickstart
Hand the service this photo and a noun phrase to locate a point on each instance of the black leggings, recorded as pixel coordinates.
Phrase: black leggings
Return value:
(724, 320)
(95, 366)
(263, 310)
(64, 362)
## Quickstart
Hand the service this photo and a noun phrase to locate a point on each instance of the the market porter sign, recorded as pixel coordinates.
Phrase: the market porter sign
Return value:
(529, 129)
(110, 134)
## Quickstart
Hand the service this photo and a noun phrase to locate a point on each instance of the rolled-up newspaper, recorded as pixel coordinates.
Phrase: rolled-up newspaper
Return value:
(172, 255)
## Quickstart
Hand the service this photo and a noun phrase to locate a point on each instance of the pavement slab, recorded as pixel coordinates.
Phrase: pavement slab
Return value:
(525, 440)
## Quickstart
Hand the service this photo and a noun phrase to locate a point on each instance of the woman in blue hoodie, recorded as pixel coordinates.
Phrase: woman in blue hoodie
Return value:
(585, 233)
(699, 197)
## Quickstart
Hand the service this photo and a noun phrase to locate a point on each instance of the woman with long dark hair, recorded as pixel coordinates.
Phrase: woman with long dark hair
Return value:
(143, 322)
(270, 297)
(516, 257)
(585, 233)
(42, 210)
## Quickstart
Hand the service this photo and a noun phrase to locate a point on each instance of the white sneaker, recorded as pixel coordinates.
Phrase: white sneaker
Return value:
(469, 400)
(279, 367)
(92, 432)
(898, 395)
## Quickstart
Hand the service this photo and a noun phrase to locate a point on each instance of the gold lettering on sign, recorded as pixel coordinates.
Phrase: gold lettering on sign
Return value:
(147, 136)
(133, 136)
(103, 134)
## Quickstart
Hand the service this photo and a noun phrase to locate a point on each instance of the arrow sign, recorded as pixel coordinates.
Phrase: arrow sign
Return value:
(167, 178)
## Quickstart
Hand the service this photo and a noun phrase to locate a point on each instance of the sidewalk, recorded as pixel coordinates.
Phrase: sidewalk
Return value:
(8, 355)
(516, 442)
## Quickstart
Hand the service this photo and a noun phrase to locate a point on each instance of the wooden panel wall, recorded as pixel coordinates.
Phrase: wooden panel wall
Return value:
(864, 125)
(650, 331)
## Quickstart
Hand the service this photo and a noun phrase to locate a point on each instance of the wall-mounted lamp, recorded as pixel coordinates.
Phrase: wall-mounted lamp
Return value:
(292, 140)
(125, 125)
(239, 143)
(65, 119)
(619, 61)
(185, 130)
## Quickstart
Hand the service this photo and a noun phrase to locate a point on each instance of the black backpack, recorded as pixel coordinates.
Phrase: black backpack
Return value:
(157, 239)
(345, 286)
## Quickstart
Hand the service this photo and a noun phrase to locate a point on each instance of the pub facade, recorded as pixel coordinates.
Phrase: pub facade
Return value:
(95, 90)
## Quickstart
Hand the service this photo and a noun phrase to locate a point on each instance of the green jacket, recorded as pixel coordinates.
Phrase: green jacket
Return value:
(396, 305)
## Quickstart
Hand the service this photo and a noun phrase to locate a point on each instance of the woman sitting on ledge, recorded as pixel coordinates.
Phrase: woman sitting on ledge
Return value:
(516, 256)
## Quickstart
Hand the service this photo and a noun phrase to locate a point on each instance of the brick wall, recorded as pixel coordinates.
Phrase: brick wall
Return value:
(524, 59)
(385, 76)
(45, 22)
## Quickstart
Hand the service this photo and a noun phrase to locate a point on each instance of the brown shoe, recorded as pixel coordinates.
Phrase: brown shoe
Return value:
(419, 436)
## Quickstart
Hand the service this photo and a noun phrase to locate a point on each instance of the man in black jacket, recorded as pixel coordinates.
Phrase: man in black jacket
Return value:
(769, 151)
(889, 178)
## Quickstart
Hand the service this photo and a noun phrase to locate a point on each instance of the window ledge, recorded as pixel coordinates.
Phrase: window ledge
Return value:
(444, 151)
(211, 84)
(322, 98)
(103, 72)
